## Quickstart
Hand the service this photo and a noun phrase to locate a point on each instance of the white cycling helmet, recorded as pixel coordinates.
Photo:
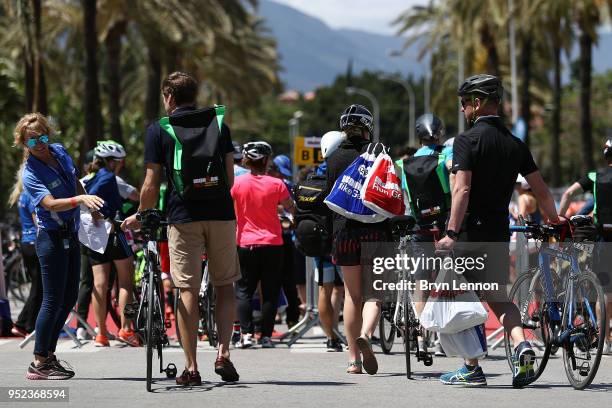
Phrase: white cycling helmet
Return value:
(330, 142)
(109, 148)
(256, 150)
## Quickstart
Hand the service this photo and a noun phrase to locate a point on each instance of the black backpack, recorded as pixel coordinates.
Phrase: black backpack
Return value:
(312, 217)
(198, 171)
(428, 188)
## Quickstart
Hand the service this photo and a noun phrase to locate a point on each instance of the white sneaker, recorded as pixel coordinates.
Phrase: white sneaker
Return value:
(607, 348)
(246, 341)
(82, 334)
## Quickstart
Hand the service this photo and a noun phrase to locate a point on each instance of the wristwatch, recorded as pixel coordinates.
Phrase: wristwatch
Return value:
(452, 234)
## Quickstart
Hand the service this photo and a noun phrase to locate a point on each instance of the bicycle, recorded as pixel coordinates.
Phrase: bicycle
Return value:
(401, 317)
(150, 322)
(17, 279)
(565, 318)
(206, 303)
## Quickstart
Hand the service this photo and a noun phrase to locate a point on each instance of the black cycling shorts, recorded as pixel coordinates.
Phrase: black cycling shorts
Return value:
(117, 249)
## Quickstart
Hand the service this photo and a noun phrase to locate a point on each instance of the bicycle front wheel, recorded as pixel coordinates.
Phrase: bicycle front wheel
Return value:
(150, 343)
(529, 297)
(583, 346)
(386, 330)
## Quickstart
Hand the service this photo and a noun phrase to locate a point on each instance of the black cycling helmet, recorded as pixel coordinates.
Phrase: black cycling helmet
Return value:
(429, 127)
(482, 84)
(608, 149)
(256, 150)
(358, 116)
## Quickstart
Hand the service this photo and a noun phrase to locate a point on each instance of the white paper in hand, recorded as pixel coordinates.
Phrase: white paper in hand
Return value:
(92, 236)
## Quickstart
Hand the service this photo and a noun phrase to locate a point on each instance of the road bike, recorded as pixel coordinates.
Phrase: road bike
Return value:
(206, 303)
(149, 317)
(400, 317)
(561, 307)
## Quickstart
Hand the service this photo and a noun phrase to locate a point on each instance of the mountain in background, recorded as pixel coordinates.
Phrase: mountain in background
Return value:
(313, 54)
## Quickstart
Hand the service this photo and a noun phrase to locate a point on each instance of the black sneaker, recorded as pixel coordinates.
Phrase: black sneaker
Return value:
(57, 364)
(334, 345)
(46, 371)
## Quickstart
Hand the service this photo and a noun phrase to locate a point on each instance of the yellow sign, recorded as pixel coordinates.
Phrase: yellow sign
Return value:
(307, 151)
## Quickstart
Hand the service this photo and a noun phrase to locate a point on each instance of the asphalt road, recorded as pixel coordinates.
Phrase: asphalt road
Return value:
(304, 375)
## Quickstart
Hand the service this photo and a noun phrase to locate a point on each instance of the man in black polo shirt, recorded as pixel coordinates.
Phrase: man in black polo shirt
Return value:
(486, 161)
(195, 225)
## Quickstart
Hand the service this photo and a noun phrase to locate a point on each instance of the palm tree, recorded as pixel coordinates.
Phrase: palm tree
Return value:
(587, 15)
(93, 114)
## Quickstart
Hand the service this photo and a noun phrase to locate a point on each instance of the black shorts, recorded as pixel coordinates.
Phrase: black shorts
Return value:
(117, 249)
(346, 247)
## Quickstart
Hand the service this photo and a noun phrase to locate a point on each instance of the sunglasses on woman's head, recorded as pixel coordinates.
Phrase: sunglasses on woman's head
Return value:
(44, 139)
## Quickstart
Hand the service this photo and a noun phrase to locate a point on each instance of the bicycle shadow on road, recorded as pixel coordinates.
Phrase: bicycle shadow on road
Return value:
(209, 386)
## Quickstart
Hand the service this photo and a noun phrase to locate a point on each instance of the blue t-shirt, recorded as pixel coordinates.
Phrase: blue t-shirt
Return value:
(26, 209)
(104, 185)
(41, 180)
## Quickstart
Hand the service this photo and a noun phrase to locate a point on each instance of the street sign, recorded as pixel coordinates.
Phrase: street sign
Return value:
(307, 151)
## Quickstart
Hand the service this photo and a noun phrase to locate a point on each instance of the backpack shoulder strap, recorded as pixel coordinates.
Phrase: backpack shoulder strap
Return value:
(220, 112)
(593, 177)
(177, 166)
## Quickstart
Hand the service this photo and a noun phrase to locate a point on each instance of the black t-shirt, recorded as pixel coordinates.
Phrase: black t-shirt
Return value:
(159, 149)
(346, 154)
(586, 183)
(602, 192)
(495, 157)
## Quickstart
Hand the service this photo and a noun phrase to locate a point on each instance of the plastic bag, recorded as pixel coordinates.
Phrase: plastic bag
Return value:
(381, 191)
(344, 197)
(469, 343)
(452, 311)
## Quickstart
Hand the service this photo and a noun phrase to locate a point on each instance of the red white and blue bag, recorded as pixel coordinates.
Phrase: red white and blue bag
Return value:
(381, 191)
(345, 196)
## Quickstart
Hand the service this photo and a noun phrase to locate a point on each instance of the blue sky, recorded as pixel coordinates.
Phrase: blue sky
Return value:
(366, 15)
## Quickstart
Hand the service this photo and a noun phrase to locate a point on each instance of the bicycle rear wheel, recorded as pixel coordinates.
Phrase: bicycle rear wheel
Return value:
(583, 348)
(150, 343)
(408, 318)
(213, 336)
(386, 330)
(529, 296)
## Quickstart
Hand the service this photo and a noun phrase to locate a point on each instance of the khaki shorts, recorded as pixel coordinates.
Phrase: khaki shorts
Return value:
(188, 241)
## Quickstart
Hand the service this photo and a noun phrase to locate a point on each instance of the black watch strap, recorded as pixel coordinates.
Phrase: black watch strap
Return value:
(452, 234)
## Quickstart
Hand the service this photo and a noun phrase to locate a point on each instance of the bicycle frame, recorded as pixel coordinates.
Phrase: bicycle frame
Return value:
(546, 254)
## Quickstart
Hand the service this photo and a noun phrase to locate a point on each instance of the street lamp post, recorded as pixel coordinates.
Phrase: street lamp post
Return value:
(351, 90)
(411, 107)
(515, 99)
(294, 131)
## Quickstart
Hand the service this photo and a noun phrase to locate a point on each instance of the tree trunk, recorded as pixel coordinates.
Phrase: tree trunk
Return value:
(153, 83)
(586, 47)
(174, 59)
(556, 118)
(113, 49)
(525, 95)
(40, 86)
(93, 115)
(29, 81)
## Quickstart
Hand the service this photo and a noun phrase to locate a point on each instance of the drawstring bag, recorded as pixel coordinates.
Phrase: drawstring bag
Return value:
(345, 196)
(381, 191)
(468, 343)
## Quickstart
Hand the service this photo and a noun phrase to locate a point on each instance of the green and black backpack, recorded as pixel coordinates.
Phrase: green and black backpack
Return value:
(425, 181)
(198, 171)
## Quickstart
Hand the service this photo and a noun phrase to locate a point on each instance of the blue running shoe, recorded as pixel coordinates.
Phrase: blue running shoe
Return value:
(524, 362)
(465, 376)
